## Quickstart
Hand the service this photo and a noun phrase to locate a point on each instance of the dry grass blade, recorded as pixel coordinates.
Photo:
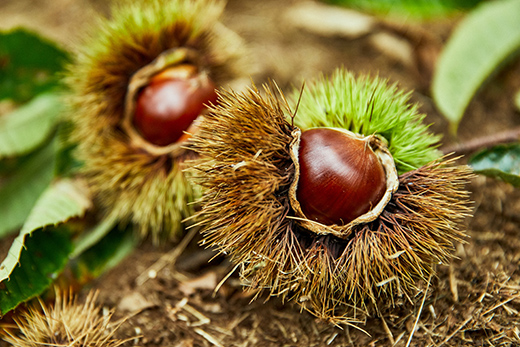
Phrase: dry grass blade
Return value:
(419, 313)
(208, 337)
(459, 328)
(500, 304)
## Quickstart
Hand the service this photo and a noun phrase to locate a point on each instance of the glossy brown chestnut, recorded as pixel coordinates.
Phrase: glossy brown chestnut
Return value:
(341, 178)
(172, 100)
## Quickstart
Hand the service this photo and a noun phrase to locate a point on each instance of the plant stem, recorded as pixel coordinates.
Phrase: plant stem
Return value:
(478, 143)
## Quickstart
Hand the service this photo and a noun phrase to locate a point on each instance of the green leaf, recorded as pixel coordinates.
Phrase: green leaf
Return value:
(483, 40)
(22, 189)
(517, 100)
(24, 129)
(105, 254)
(421, 9)
(63, 200)
(44, 255)
(42, 248)
(66, 163)
(28, 64)
(501, 162)
(91, 237)
(9, 165)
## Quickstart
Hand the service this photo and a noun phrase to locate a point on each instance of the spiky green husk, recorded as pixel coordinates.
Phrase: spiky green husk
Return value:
(146, 189)
(136, 35)
(245, 170)
(67, 323)
(150, 192)
(368, 106)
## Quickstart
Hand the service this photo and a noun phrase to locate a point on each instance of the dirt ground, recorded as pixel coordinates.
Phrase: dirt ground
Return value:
(475, 301)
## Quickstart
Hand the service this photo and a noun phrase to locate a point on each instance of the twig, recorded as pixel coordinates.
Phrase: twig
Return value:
(484, 142)
(399, 338)
(208, 337)
(456, 331)
(501, 304)
(348, 336)
(419, 313)
(388, 332)
(202, 319)
(168, 258)
(331, 338)
(221, 283)
(453, 284)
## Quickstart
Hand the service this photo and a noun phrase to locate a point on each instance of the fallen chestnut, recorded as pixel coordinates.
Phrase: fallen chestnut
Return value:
(341, 177)
(311, 207)
(168, 105)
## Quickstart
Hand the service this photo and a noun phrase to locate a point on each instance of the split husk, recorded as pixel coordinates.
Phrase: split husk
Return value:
(138, 182)
(245, 170)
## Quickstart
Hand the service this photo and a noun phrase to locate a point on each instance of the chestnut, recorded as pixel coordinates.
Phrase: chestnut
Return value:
(341, 177)
(309, 204)
(169, 104)
(137, 87)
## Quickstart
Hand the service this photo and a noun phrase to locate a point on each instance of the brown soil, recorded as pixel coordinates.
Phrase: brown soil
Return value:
(472, 302)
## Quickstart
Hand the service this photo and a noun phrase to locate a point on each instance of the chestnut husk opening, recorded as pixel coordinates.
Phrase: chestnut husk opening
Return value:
(140, 79)
(341, 280)
(378, 145)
